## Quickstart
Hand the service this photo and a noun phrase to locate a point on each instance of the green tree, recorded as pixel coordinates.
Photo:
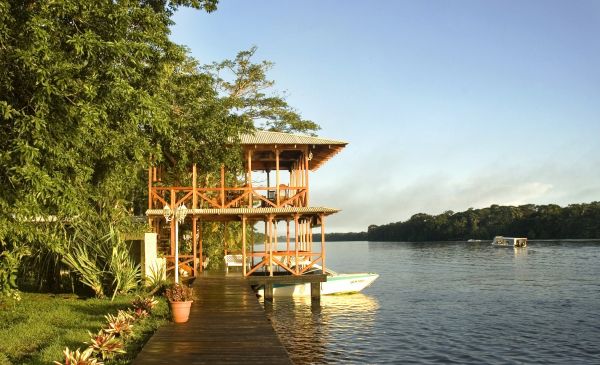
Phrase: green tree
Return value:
(90, 94)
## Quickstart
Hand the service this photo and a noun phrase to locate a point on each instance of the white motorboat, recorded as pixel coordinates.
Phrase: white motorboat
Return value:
(336, 284)
(501, 241)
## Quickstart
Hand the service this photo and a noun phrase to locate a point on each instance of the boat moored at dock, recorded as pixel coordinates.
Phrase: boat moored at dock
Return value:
(336, 283)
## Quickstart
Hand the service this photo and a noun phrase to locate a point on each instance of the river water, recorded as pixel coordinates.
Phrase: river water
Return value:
(457, 302)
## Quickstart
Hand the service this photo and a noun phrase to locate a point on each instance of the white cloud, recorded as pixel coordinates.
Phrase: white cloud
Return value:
(366, 199)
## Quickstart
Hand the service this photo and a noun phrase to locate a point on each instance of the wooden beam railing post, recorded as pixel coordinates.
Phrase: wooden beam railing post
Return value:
(322, 217)
(173, 221)
(194, 187)
(296, 242)
(306, 177)
(222, 186)
(244, 245)
(277, 176)
(201, 254)
(270, 234)
(287, 241)
(150, 193)
(249, 182)
(194, 247)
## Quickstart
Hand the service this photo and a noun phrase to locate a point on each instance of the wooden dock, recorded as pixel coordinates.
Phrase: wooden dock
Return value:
(227, 326)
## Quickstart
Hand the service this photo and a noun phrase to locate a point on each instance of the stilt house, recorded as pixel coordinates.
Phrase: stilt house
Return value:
(281, 196)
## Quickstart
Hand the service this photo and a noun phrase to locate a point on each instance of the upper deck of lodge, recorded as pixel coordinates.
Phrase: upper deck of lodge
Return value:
(289, 156)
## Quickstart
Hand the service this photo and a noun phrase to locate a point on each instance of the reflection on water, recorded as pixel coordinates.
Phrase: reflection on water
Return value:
(314, 333)
(458, 302)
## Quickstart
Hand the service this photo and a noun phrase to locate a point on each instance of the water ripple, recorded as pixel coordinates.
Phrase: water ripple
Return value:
(446, 303)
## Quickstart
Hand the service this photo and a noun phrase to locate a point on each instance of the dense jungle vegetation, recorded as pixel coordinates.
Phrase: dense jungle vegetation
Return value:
(91, 94)
(532, 221)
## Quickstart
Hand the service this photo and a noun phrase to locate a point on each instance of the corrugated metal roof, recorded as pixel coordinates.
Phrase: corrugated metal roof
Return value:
(252, 211)
(266, 137)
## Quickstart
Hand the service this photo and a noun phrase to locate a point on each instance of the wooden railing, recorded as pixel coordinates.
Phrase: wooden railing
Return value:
(237, 197)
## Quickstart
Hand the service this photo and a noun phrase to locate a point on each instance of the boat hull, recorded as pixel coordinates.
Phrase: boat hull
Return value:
(338, 284)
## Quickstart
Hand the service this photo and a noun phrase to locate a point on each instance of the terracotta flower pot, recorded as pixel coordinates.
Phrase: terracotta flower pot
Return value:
(180, 311)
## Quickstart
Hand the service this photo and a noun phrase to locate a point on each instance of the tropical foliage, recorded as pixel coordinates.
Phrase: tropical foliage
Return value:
(91, 93)
(38, 329)
(532, 221)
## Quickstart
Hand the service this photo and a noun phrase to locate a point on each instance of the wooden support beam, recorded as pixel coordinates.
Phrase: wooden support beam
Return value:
(194, 187)
(150, 193)
(150, 188)
(306, 178)
(222, 186)
(244, 245)
(252, 246)
(200, 247)
(322, 217)
(287, 239)
(194, 247)
(270, 234)
(249, 182)
(173, 202)
(296, 242)
(225, 237)
(277, 176)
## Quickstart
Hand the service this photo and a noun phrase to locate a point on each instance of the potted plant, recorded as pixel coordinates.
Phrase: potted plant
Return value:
(180, 301)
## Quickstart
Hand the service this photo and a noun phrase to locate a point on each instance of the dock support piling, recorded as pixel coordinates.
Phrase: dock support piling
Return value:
(315, 292)
(269, 291)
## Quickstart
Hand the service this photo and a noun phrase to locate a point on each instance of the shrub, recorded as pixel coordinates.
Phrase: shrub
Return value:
(9, 267)
(120, 325)
(79, 358)
(105, 345)
(101, 259)
(142, 307)
(179, 293)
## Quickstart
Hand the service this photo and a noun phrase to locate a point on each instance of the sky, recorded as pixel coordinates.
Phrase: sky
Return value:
(446, 105)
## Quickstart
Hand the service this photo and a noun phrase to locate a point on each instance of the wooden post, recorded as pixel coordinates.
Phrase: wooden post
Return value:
(150, 188)
(225, 237)
(322, 216)
(244, 245)
(250, 179)
(150, 193)
(173, 201)
(287, 241)
(270, 246)
(296, 242)
(306, 177)
(266, 243)
(252, 247)
(277, 176)
(222, 186)
(194, 186)
(200, 247)
(194, 247)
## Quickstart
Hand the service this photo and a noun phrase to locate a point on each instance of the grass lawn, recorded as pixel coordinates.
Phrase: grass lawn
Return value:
(40, 326)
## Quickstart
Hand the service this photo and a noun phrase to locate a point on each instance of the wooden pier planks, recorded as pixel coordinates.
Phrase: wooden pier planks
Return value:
(227, 326)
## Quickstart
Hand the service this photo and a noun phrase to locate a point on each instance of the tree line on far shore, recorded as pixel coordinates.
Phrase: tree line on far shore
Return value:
(576, 221)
